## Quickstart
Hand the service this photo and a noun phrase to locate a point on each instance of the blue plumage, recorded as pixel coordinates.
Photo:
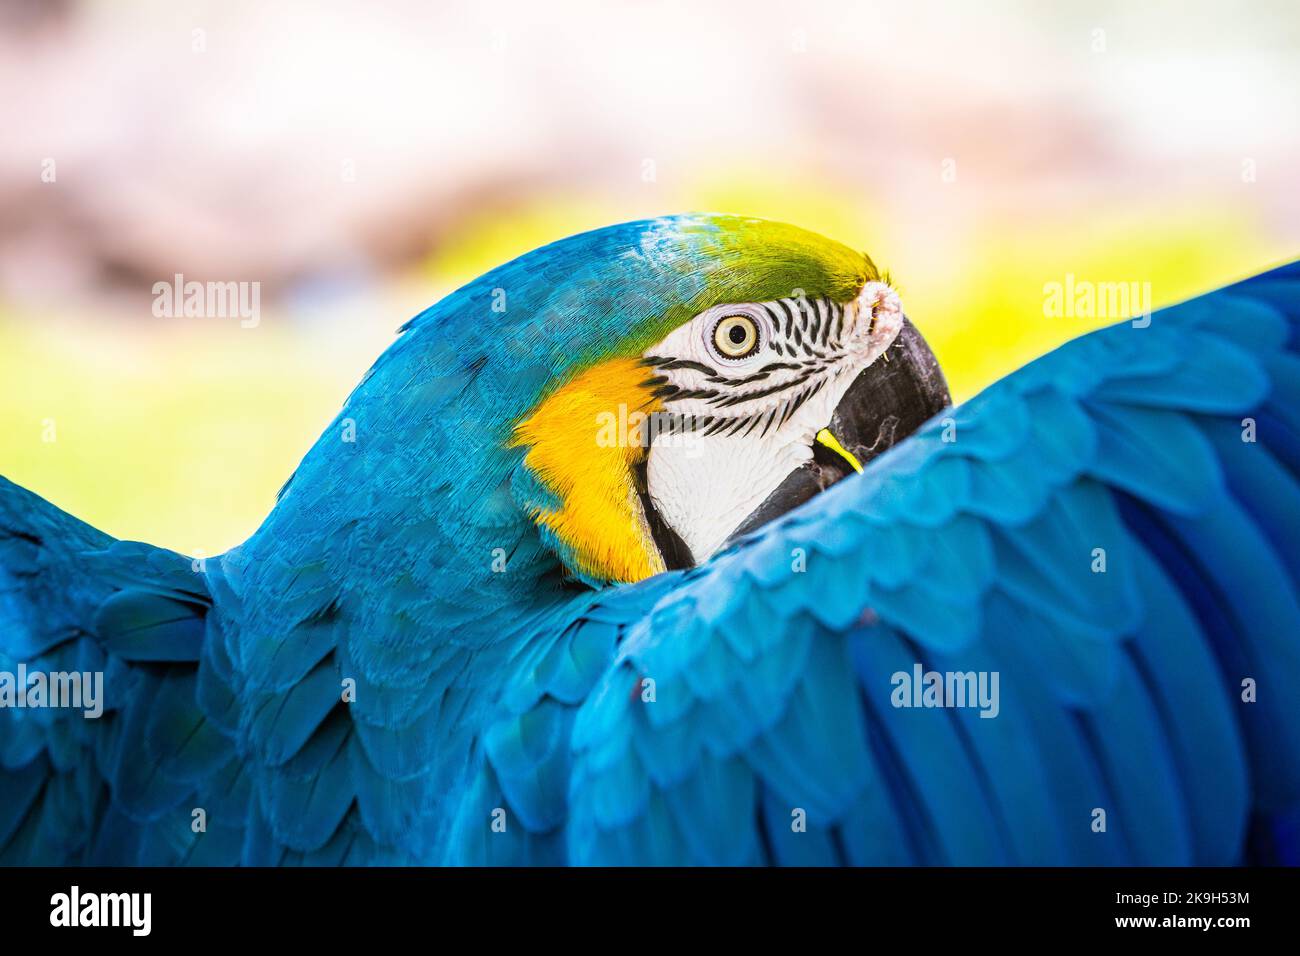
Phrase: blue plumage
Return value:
(358, 684)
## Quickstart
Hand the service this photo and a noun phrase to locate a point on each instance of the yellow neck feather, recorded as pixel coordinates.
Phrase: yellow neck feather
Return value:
(583, 443)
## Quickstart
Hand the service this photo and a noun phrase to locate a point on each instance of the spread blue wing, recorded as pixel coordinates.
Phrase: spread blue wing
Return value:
(1110, 533)
(115, 772)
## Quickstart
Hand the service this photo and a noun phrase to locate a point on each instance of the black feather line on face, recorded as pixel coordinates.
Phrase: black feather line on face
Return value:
(791, 407)
(668, 364)
(789, 318)
(727, 402)
(738, 424)
(758, 376)
(773, 316)
(670, 423)
(799, 400)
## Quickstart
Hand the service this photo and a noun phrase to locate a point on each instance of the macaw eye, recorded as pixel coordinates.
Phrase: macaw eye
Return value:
(736, 336)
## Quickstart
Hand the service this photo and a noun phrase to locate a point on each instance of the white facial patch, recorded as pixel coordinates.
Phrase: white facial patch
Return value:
(745, 389)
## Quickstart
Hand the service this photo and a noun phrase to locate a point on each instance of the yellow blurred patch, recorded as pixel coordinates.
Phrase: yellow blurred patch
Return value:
(176, 434)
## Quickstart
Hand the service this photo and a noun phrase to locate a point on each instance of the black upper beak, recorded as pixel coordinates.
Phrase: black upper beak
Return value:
(886, 403)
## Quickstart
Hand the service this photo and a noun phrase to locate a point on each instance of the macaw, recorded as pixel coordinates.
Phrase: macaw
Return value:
(629, 552)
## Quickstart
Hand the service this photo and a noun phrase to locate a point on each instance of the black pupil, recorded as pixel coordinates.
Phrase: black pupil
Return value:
(737, 334)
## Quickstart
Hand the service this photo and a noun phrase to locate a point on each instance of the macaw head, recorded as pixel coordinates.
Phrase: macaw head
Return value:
(704, 374)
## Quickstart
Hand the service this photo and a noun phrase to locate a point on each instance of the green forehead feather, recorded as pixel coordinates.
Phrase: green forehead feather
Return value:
(758, 260)
(732, 259)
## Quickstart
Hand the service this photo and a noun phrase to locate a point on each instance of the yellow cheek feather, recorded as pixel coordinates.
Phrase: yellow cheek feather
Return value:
(583, 444)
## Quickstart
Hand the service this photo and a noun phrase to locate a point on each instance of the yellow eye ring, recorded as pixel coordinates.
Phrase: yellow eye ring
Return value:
(736, 336)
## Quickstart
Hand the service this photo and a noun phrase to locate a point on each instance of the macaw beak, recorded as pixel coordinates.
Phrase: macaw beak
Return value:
(892, 397)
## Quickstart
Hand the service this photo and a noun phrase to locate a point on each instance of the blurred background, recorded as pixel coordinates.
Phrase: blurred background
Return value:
(361, 159)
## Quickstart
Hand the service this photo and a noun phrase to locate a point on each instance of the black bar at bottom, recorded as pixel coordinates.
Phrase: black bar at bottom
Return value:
(329, 906)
